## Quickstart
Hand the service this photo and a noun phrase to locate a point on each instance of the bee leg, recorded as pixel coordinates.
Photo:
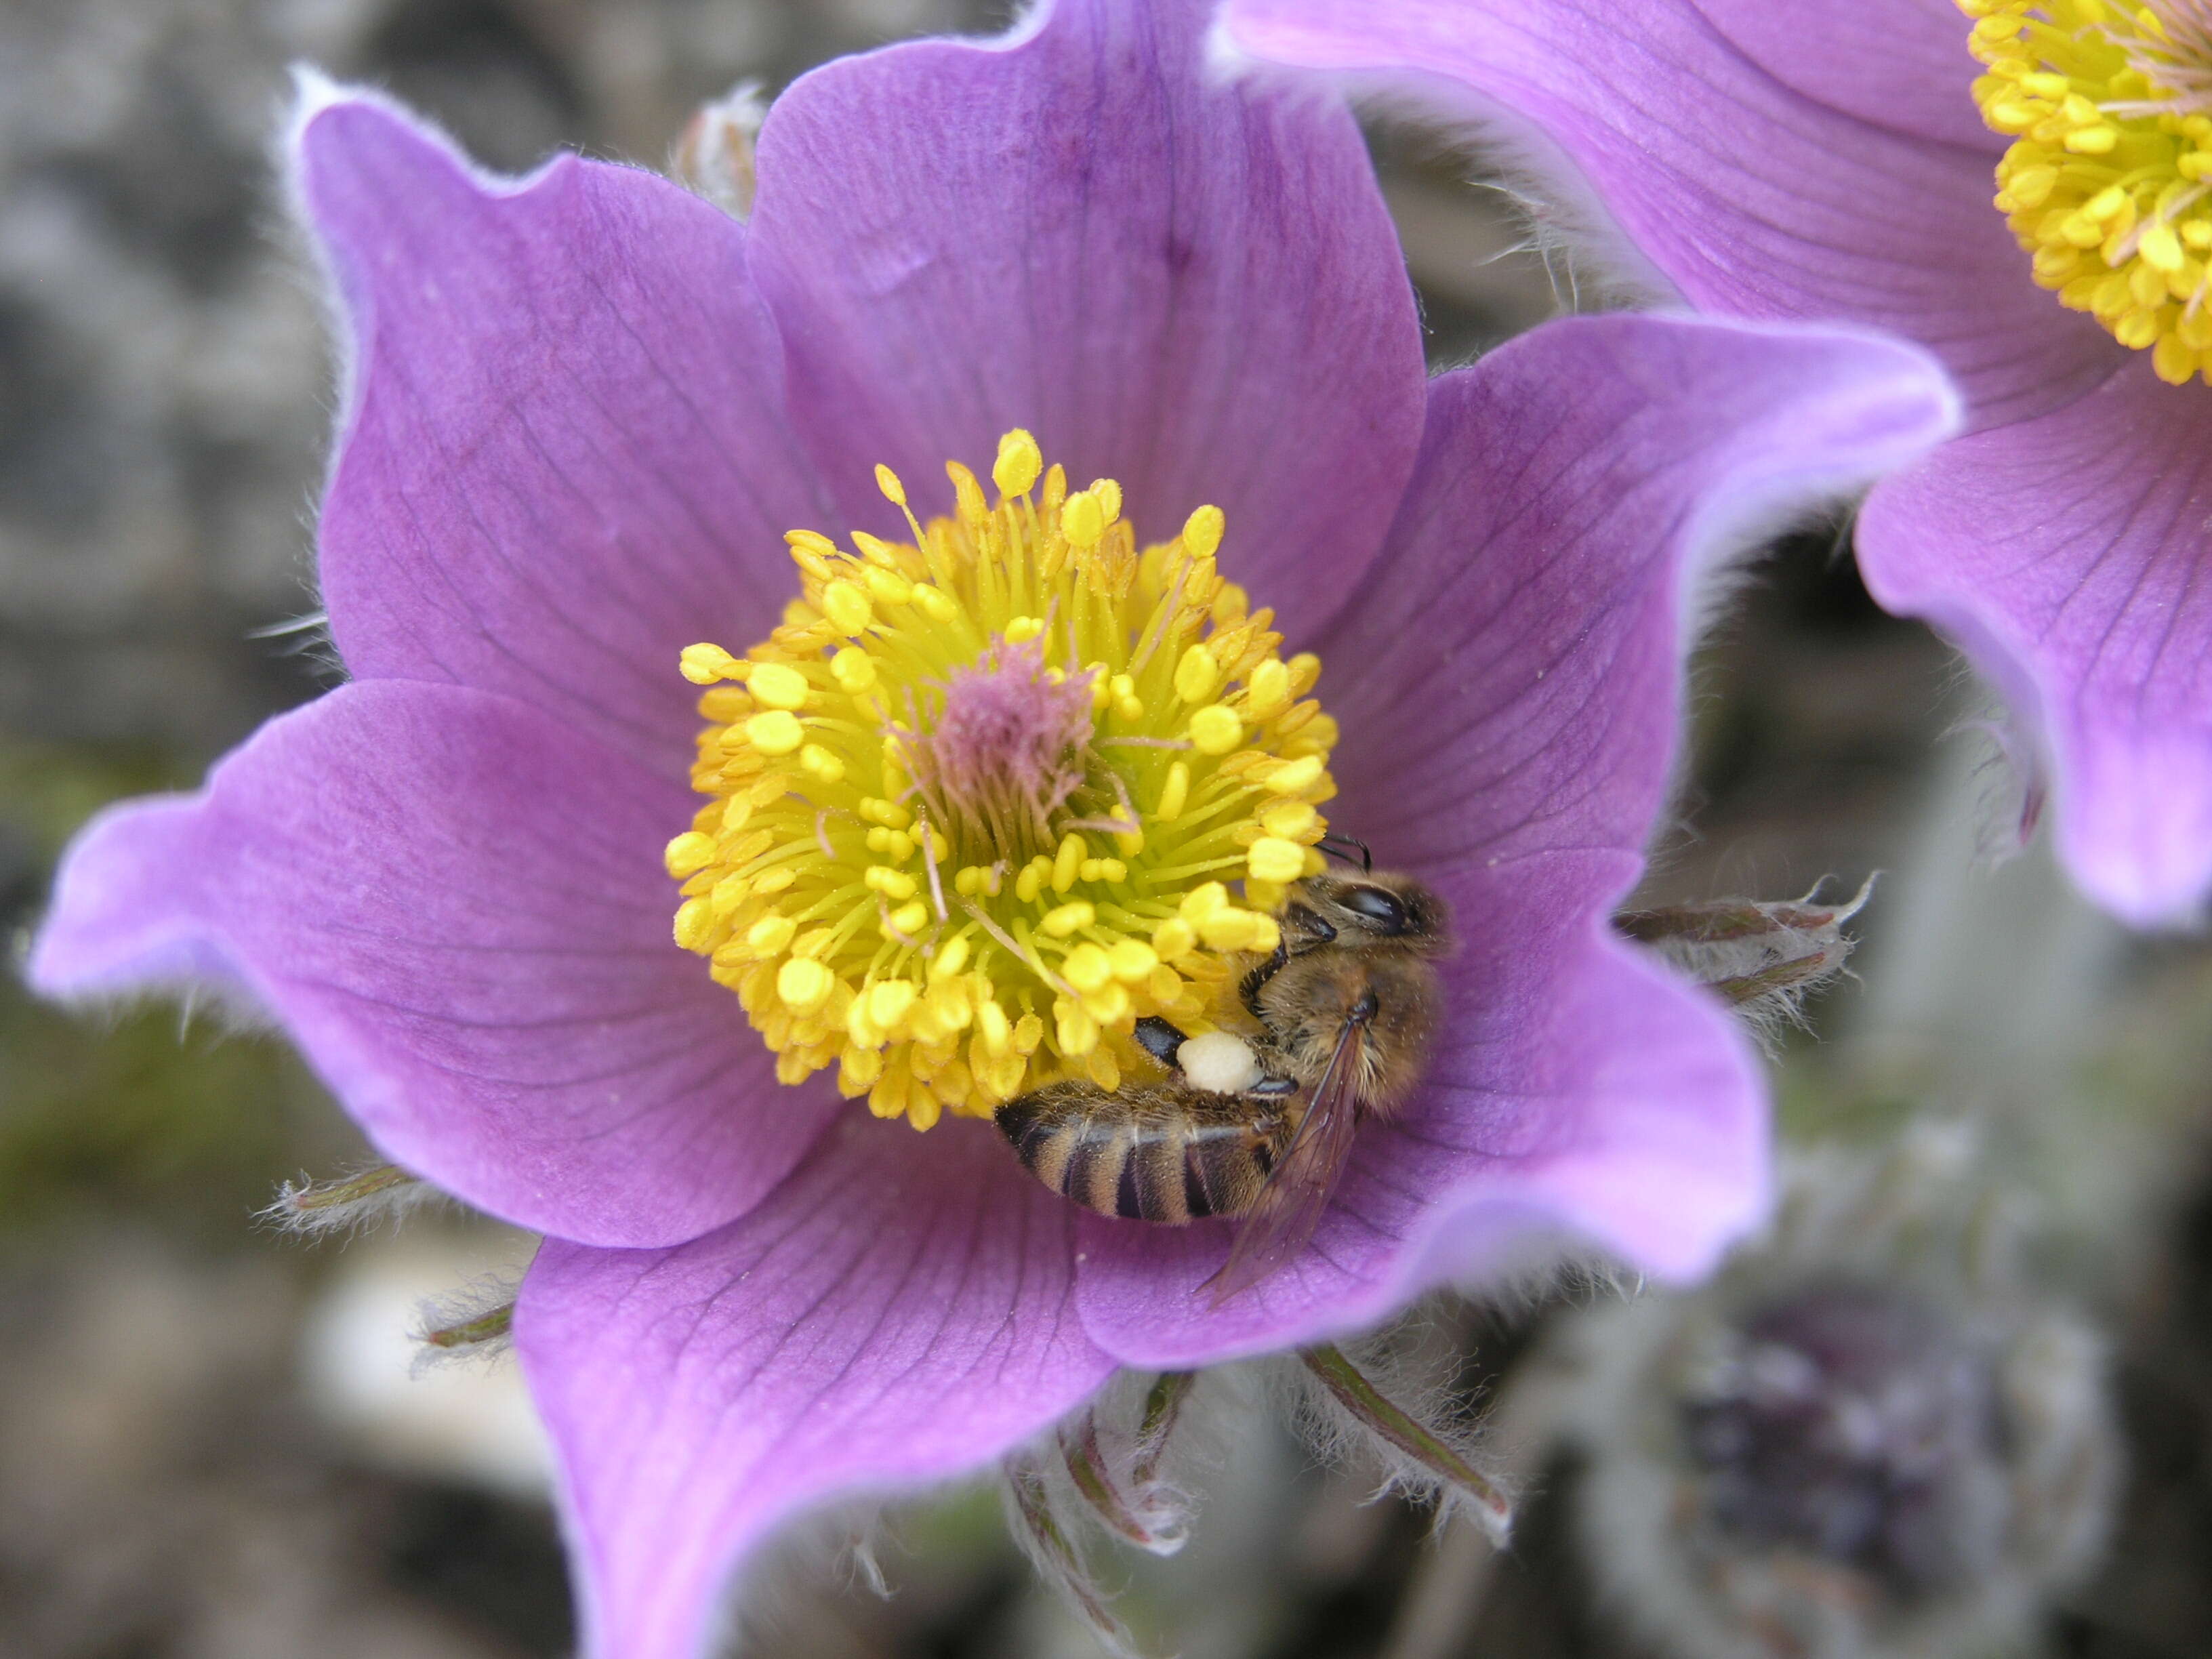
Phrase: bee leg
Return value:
(1250, 990)
(1158, 1038)
(1336, 845)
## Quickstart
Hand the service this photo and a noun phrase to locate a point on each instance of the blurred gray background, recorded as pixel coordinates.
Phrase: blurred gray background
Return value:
(209, 1448)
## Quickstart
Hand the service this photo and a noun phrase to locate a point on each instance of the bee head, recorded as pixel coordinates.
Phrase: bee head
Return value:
(1378, 907)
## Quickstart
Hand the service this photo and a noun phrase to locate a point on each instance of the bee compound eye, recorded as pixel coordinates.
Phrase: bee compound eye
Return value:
(1378, 906)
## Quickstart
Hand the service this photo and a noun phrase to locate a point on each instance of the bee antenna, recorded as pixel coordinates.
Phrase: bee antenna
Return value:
(1337, 844)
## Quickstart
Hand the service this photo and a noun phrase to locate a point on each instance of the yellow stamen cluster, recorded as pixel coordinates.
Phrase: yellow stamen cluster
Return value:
(946, 953)
(2109, 182)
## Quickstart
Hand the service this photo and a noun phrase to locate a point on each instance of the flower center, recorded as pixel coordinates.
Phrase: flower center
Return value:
(2106, 181)
(973, 807)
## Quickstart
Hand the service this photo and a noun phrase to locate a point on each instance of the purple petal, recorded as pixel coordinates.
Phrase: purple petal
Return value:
(456, 908)
(1898, 63)
(1753, 201)
(2068, 554)
(565, 454)
(900, 1311)
(1509, 732)
(1191, 287)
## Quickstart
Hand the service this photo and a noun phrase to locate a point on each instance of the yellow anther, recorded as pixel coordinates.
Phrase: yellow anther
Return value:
(1174, 793)
(777, 686)
(820, 764)
(1070, 918)
(887, 587)
(1201, 531)
(1230, 929)
(888, 482)
(992, 1028)
(1201, 902)
(854, 669)
(1019, 462)
(968, 502)
(702, 665)
(1291, 819)
(1110, 1004)
(1082, 519)
(1067, 863)
(688, 853)
(1269, 689)
(1272, 859)
(949, 960)
(1216, 729)
(695, 924)
(1077, 1031)
(907, 921)
(846, 604)
(1109, 493)
(893, 884)
(1022, 629)
(771, 934)
(1174, 939)
(1294, 777)
(777, 731)
(1087, 968)
(2161, 248)
(1132, 961)
(803, 985)
(888, 1002)
(1029, 885)
(1196, 674)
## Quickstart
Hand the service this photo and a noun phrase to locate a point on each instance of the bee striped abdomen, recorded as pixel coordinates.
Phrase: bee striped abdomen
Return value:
(1162, 1153)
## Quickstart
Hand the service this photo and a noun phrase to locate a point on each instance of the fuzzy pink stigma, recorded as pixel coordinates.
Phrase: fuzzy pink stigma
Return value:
(1006, 749)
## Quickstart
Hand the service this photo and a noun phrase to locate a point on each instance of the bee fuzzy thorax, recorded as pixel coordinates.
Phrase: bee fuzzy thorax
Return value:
(990, 795)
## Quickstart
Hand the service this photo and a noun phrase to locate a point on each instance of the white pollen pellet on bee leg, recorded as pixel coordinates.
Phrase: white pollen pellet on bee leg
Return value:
(1220, 1061)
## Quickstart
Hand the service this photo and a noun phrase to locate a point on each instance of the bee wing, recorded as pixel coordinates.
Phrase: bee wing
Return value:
(1291, 1204)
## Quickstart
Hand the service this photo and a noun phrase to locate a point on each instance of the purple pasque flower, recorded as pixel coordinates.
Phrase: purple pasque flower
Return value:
(1804, 159)
(583, 411)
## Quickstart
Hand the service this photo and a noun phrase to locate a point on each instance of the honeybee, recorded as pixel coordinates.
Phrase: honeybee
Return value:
(1259, 1127)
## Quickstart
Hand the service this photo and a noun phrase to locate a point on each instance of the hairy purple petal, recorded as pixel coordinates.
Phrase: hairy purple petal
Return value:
(565, 455)
(1190, 287)
(2069, 552)
(1519, 653)
(456, 906)
(1754, 200)
(900, 1311)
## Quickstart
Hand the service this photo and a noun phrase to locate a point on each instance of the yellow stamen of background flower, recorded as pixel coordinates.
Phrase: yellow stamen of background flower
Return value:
(973, 808)
(2108, 183)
